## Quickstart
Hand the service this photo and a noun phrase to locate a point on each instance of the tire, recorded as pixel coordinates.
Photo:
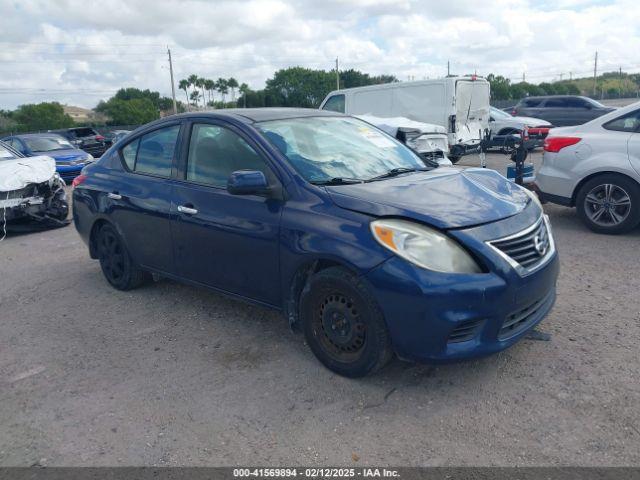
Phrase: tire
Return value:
(454, 159)
(116, 263)
(343, 324)
(609, 203)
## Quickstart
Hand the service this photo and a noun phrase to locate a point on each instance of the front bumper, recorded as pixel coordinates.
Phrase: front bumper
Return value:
(436, 317)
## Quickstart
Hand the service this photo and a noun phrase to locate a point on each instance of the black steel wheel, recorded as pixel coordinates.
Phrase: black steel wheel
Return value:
(609, 203)
(343, 323)
(115, 261)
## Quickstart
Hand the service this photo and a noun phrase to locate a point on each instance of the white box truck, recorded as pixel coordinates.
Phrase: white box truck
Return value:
(459, 104)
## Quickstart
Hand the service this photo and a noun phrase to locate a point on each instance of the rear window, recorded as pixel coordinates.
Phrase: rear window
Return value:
(83, 132)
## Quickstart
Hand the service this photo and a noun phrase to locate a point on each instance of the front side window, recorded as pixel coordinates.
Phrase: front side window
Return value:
(325, 148)
(152, 153)
(577, 103)
(335, 104)
(216, 152)
(626, 123)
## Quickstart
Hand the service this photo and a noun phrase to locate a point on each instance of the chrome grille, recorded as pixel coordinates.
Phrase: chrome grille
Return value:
(528, 249)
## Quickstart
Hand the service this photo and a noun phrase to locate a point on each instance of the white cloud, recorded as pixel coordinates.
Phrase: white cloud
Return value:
(75, 53)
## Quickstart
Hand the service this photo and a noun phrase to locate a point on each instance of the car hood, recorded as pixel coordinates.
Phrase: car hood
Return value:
(445, 197)
(67, 155)
(19, 172)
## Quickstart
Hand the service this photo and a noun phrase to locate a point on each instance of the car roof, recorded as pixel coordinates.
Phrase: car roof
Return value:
(34, 135)
(251, 115)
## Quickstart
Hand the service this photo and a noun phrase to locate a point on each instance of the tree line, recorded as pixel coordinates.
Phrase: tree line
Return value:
(288, 87)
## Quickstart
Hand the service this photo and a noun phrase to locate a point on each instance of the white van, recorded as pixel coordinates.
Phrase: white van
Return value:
(459, 104)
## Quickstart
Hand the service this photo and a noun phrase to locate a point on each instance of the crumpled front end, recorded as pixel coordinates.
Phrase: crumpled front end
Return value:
(36, 205)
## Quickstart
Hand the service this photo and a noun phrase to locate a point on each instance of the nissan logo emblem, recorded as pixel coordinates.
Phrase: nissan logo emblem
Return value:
(540, 245)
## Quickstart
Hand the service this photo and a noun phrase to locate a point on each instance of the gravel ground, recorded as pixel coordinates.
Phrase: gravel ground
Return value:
(175, 375)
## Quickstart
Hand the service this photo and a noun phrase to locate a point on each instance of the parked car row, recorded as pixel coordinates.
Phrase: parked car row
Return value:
(69, 159)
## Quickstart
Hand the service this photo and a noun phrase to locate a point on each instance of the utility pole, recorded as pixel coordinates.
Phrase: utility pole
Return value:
(448, 68)
(595, 73)
(561, 76)
(173, 87)
(524, 78)
(570, 76)
(337, 75)
(620, 91)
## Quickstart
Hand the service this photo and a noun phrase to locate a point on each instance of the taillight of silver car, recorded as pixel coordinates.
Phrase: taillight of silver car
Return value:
(555, 144)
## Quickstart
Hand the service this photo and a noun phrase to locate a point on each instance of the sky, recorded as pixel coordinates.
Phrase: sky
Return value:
(78, 52)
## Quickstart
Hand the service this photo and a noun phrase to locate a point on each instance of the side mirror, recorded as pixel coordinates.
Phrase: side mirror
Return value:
(247, 182)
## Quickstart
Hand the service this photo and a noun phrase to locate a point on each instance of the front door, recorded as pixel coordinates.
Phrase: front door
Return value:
(229, 242)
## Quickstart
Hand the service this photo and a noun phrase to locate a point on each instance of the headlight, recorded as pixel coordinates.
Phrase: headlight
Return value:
(423, 246)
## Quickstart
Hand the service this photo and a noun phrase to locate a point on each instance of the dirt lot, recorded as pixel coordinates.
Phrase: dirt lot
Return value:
(174, 375)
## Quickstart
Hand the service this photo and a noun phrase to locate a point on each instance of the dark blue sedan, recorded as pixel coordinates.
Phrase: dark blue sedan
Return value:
(69, 159)
(360, 243)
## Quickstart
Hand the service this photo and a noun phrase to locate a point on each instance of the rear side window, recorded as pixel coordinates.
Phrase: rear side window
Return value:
(215, 152)
(626, 123)
(153, 152)
(335, 104)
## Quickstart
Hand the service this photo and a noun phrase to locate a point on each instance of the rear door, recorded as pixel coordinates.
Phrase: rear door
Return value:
(472, 110)
(229, 242)
(139, 197)
(579, 111)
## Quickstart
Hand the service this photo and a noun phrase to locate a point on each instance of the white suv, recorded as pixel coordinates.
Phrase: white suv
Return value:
(595, 167)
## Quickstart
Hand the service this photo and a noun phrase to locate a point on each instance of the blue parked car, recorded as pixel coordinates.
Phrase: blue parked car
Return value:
(360, 243)
(69, 159)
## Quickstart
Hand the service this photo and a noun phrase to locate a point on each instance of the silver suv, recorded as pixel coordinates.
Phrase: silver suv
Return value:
(595, 167)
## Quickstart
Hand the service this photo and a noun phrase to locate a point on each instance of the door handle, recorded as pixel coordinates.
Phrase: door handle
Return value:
(187, 210)
(114, 196)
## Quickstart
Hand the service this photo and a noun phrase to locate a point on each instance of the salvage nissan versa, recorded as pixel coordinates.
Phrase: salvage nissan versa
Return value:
(360, 243)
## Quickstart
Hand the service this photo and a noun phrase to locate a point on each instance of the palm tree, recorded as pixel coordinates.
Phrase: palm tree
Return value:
(200, 83)
(232, 83)
(244, 90)
(195, 95)
(222, 87)
(209, 86)
(193, 79)
(184, 85)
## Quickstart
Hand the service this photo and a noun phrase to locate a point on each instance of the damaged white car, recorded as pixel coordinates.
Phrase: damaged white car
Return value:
(430, 141)
(32, 194)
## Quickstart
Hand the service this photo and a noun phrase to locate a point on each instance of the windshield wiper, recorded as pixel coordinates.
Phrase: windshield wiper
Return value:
(394, 172)
(337, 181)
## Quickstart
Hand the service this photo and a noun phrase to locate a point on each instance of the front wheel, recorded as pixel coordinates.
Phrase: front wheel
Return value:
(609, 203)
(454, 159)
(343, 324)
(115, 261)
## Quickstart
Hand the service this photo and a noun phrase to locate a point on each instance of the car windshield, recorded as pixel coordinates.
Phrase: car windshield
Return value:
(322, 149)
(47, 144)
(5, 153)
(499, 113)
(595, 102)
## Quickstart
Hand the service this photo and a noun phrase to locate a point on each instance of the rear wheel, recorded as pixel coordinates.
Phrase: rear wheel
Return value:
(115, 261)
(343, 324)
(609, 203)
